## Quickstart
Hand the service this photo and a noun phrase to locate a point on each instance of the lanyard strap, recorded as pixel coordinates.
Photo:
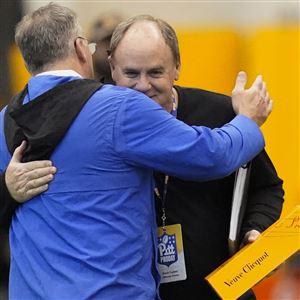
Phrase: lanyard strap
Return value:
(173, 112)
(165, 187)
(163, 200)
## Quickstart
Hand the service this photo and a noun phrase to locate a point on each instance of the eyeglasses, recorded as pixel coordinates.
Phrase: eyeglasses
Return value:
(92, 46)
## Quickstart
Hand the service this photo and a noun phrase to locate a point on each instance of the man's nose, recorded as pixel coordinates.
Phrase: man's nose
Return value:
(143, 84)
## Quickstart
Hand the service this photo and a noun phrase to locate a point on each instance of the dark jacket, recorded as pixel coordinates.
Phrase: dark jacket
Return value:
(203, 208)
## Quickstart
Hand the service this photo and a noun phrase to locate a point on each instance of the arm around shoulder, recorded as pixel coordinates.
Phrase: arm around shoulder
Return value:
(147, 135)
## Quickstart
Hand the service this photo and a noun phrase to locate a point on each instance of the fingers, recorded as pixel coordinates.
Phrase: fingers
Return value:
(17, 155)
(258, 83)
(267, 103)
(258, 89)
(252, 236)
(264, 90)
(24, 186)
(36, 186)
(39, 182)
(38, 175)
(34, 182)
(39, 164)
(25, 180)
(36, 191)
(241, 81)
(270, 107)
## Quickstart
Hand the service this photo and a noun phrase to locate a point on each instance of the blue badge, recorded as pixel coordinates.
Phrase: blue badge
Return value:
(167, 250)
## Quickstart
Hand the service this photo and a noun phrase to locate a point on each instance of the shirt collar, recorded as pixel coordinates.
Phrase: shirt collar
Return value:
(69, 73)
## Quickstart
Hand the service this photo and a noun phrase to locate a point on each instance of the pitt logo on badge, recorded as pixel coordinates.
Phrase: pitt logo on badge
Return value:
(167, 249)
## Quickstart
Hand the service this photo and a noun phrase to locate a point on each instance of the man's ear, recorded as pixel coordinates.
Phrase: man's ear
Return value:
(80, 49)
(111, 63)
(112, 66)
(177, 72)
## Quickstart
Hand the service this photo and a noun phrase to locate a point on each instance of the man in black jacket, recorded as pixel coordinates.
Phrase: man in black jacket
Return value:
(202, 208)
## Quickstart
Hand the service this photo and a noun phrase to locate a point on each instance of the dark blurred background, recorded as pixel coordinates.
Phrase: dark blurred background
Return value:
(10, 14)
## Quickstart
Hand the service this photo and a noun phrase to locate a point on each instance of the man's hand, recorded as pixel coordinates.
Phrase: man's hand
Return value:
(250, 237)
(26, 180)
(254, 102)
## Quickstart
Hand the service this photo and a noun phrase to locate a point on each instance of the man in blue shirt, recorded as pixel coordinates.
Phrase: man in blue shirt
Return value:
(93, 233)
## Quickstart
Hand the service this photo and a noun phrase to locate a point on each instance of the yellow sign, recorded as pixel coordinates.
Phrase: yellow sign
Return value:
(252, 263)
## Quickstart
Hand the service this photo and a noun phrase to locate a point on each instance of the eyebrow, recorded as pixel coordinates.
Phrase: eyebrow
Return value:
(158, 68)
(130, 70)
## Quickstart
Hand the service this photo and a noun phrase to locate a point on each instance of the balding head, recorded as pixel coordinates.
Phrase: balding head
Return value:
(166, 31)
(143, 41)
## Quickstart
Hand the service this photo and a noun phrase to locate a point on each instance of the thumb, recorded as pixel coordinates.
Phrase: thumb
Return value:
(253, 236)
(241, 80)
(17, 155)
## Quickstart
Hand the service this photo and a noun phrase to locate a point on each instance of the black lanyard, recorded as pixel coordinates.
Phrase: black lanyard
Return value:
(163, 200)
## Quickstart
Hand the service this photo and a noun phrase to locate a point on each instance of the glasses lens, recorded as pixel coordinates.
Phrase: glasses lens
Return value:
(92, 47)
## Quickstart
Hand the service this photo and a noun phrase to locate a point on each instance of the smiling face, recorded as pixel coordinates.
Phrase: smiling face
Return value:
(144, 62)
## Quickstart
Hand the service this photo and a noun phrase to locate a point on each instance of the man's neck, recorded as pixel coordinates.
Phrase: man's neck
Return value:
(69, 64)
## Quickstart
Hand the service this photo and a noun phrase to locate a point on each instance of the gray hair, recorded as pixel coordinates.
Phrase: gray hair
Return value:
(166, 30)
(47, 36)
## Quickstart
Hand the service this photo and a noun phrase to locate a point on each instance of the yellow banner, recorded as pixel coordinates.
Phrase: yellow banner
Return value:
(252, 263)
